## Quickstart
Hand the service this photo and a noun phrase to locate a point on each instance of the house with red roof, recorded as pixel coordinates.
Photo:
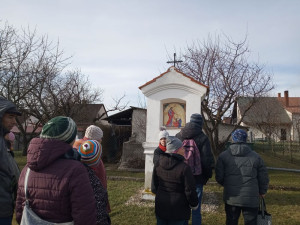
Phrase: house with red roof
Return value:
(275, 118)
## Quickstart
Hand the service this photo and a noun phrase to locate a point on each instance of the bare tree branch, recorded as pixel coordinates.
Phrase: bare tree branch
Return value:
(226, 69)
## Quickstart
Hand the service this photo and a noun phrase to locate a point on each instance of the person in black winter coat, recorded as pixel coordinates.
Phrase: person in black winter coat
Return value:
(244, 177)
(174, 186)
(9, 170)
(163, 134)
(193, 130)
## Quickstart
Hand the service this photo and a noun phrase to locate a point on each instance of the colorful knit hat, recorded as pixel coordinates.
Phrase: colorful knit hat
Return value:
(90, 152)
(239, 136)
(60, 128)
(93, 133)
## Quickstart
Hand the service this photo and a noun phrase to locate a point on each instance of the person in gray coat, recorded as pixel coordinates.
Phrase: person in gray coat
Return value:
(244, 177)
(9, 171)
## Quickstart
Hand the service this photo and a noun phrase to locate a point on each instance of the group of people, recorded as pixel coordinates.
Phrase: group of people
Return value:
(67, 180)
(239, 169)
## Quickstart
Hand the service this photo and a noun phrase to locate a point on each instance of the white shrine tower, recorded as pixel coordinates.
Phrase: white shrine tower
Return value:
(172, 98)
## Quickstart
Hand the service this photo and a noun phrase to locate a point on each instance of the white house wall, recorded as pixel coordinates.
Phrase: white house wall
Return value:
(296, 120)
(258, 134)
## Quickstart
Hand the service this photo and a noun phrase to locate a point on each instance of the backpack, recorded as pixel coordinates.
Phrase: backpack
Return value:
(192, 156)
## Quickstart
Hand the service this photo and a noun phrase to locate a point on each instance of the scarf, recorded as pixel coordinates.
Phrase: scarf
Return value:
(163, 148)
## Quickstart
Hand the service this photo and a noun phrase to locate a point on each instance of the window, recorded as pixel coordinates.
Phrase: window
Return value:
(283, 135)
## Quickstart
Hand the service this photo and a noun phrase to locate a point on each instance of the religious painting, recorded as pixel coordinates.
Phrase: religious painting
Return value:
(174, 115)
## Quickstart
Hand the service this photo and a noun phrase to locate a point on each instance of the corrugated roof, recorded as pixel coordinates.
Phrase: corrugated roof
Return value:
(124, 117)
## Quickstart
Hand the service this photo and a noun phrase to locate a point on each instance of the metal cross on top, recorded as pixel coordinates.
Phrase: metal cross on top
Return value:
(175, 61)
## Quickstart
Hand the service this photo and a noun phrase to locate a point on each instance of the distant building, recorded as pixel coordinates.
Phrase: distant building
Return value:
(129, 132)
(83, 115)
(88, 114)
(275, 118)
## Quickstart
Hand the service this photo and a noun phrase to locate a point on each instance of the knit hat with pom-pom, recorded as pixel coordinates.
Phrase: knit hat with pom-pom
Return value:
(163, 133)
(90, 152)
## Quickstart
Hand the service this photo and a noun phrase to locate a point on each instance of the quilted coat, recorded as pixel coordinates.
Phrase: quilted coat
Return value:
(174, 186)
(59, 189)
(243, 174)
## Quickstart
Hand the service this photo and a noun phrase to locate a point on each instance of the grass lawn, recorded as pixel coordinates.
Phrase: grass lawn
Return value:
(283, 198)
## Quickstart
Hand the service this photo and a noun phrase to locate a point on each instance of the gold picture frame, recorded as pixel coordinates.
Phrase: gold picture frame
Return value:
(174, 114)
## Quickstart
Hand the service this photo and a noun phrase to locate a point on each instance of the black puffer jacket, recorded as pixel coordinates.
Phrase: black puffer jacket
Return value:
(243, 174)
(157, 153)
(9, 171)
(194, 131)
(174, 187)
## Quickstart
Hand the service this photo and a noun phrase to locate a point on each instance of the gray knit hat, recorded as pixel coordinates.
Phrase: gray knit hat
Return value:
(93, 133)
(60, 128)
(196, 118)
(173, 144)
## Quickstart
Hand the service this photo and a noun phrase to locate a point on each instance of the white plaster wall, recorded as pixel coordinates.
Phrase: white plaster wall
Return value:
(276, 132)
(154, 110)
(295, 133)
(170, 87)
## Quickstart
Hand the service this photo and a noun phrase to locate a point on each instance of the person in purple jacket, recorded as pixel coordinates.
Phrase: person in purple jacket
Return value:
(58, 188)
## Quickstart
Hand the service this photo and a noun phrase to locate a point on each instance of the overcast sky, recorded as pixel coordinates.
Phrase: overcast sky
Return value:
(122, 44)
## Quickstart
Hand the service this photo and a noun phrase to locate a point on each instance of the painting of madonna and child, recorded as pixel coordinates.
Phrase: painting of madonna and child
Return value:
(174, 115)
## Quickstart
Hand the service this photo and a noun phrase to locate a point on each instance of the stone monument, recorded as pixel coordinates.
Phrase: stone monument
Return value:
(172, 98)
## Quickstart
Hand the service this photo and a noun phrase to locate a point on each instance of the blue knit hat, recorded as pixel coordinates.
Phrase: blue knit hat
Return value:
(196, 118)
(60, 128)
(239, 136)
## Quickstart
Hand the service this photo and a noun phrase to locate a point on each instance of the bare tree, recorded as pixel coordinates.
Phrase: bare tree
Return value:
(142, 103)
(31, 71)
(225, 68)
(118, 105)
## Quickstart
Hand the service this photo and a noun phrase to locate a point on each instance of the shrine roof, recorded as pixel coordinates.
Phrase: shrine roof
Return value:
(169, 70)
